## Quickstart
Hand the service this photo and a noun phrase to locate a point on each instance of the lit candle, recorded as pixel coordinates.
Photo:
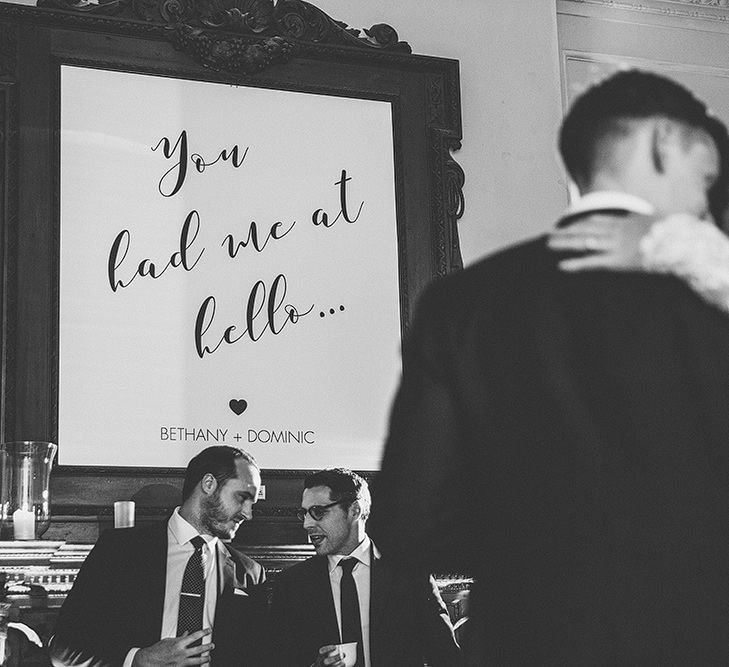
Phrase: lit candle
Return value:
(24, 524)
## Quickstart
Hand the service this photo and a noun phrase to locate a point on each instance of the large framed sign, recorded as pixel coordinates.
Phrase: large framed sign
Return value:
(228, 281)
(218, 219)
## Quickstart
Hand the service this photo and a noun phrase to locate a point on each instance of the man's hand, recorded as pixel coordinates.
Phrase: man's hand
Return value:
(613, 241)
(329, 656)
(175, 652)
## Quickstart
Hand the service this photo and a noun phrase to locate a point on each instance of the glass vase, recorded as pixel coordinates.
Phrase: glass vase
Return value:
(25, 503)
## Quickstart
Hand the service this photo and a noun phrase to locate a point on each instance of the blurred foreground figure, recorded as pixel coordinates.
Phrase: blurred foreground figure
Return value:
(564, 436)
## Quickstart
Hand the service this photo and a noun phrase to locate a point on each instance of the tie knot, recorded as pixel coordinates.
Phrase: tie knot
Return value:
(198, 542)
(348, 564)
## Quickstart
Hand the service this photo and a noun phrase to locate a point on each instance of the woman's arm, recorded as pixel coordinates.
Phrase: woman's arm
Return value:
(694, 250)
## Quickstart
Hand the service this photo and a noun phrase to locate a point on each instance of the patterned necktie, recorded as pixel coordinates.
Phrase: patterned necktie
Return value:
(192, 595)
(351, 621)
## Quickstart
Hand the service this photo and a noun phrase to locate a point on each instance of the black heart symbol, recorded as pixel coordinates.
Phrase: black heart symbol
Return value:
(238, 405)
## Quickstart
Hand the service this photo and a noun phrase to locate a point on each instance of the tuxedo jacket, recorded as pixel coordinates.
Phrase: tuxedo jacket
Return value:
(565, 439)
(408, 620)
(116, 603)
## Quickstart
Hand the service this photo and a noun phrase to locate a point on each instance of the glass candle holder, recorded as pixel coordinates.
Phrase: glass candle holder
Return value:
(25, 504)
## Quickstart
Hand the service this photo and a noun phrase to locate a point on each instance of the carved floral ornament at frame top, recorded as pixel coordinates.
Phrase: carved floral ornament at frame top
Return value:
(288, 19)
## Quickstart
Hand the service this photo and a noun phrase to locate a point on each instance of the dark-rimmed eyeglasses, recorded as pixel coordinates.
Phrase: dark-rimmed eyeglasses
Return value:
(316, 512)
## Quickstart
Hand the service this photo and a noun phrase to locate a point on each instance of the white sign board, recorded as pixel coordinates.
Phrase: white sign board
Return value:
(228, 273)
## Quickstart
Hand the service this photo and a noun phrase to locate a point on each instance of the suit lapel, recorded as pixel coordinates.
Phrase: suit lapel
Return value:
(321, 592)
(226, 571)
(156, 581)
(381, 592)
(237, 625)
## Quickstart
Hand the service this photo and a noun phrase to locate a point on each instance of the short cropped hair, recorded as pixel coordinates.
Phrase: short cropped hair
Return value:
(219, 461)
(344, 485)
(600, 113)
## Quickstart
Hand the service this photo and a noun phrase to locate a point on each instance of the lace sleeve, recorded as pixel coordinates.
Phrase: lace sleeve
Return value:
(692, 249)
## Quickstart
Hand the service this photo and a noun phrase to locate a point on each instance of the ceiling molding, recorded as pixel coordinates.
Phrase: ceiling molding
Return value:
(705, 10)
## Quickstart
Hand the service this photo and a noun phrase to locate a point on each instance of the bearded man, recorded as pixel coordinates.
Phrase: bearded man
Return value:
(173, 593)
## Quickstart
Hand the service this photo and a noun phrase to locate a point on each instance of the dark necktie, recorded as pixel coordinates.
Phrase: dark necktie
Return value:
(351, 621)
(192, 595)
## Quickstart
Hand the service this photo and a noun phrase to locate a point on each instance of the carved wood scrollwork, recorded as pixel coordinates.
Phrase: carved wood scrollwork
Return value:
(301, 20)
(455, 179)
(169, 11)
(448, 202)
(288, 19)
(447, 199)
(239, 36)
(234, 54)
(244, 16)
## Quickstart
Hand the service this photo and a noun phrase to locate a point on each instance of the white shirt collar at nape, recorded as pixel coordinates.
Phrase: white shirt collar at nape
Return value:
(182, 531)
(604, 199)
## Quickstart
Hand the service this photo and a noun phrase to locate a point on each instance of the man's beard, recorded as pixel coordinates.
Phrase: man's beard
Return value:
(214, 517)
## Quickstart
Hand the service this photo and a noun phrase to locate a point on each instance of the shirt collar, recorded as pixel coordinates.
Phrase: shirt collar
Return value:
(182, 531)
(604, 199)
(361, 553)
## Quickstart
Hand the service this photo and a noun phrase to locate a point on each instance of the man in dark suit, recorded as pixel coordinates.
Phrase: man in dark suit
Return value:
(565, 437)
(158, 595)
(395, 619)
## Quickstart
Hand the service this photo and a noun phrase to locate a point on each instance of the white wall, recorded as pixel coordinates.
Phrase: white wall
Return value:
(511, 104)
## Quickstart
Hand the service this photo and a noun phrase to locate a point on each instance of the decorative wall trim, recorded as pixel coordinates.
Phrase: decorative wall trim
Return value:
(705, 10)
(594, 57)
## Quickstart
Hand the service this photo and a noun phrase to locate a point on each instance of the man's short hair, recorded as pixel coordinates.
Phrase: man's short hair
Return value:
(345, 487)
(601, 113)
(219, 461)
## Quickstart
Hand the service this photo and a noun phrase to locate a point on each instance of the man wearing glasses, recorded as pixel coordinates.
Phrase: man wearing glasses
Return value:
(346, 593)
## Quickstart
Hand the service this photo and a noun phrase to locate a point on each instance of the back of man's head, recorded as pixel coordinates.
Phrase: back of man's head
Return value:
(606, 113)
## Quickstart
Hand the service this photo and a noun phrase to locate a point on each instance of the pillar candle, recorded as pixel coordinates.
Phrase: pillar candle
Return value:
(24, 524)
(123, 514)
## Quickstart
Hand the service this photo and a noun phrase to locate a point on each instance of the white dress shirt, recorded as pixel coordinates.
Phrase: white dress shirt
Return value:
(179, 550)
(361, 573)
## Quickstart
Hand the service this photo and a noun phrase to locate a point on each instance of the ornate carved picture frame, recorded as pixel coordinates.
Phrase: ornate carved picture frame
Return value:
(288, 45)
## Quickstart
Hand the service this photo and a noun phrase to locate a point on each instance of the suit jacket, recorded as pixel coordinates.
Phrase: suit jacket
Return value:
(116, 603)
(408, 620)
(565, 439)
